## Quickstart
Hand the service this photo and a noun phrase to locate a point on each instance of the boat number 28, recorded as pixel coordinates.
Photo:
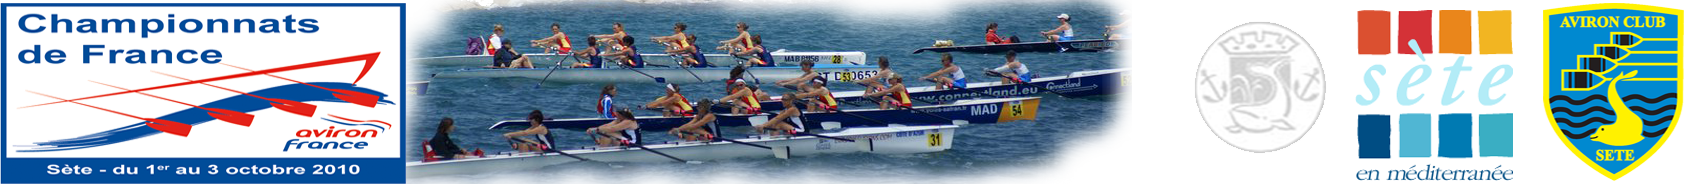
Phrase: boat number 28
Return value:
(849, 76)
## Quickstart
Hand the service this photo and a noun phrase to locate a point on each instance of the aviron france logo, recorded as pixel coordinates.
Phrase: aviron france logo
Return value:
(1613, 81)
(1429, 130)
(1260, 87)
(235, 109)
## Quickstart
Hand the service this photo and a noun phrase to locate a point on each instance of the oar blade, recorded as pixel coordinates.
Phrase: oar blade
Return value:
(294, 107)
(357, 98)
(170, 127)
(865, 144)
(782, 152)
(238, 118)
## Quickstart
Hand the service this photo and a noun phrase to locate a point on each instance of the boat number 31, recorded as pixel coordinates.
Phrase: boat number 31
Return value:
(934, 139)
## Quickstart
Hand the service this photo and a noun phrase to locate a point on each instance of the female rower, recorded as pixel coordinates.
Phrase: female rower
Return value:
(673, 39)
(625, 53)
(1063, 32)
(694, 130)
(612, 38)
(1127, 23)
(1013, 69)
(558, 42)
(537, 144)
(614, 132)
(956, 78)
(443, 145)
(692, 56)
(605, 102)
(781, 123)
(592, 59)
(873, 83)
(895, 97)
(762, 57)
(819, 97)
(674, 103)
(744, 97)
(808, 74)
(740, 42)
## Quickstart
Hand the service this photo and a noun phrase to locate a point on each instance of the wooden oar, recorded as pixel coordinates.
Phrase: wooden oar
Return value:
(230, 116)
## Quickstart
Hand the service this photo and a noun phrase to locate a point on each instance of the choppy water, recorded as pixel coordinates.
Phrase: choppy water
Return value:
(978, 149)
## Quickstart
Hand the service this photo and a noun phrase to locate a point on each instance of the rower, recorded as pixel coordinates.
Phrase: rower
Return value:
(808, 68)
(612, 39)
(894, 97)
(956, 78)
(820, 98)
(1127, 23)
(616, 133)
(558, 42)
(674, 40)
(592, 59)
(1012, 69)
(624, 52)
(780, 124)
(992, 37)
(605, 104)
(744, 97)
(491, 43)
(740, 42)
(763, 57)
(873, 83)
(693, 57)
(674, 103)
(697, 129)
(541, 139)
(507, 57)
(1063, 32)
(442, 145)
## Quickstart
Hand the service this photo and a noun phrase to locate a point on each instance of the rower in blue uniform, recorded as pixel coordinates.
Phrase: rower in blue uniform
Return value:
(1012, 69)
(955, 79)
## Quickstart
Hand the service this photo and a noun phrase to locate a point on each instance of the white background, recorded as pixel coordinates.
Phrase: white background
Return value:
(1160, 140)
(343, 31)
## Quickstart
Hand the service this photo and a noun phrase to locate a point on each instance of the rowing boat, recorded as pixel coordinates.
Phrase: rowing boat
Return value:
(883, 140)
(785, 58)
(1094, 45)
(1073, 85)
(837, 72)
(980, 111)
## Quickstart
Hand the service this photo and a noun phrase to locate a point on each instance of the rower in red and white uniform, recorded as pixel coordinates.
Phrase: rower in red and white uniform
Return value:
(559, 42)
(673, 103)
(744, 98)
(819, 97)
(894, 97)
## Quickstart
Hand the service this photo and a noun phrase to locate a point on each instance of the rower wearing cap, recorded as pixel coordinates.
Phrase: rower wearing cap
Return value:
(1063, 32)
(780, 124)
(558, 42)
(614, 132)
(1012, 69)
(817, 95)
(744, 97)
(605, 101)
(762, 57)
(491, 44)
(591, 56)
(955, 78)
(674, 103)
(627, 55)
(507, 57)
(695, 129)
(874, 83)
(894, 97)
(539, 142)
(808, 68)
(1127, 23)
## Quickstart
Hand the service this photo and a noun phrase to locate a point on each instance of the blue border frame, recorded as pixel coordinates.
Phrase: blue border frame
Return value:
(401, 153)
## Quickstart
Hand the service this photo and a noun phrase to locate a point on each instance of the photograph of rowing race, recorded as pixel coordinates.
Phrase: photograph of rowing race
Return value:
(729, 91)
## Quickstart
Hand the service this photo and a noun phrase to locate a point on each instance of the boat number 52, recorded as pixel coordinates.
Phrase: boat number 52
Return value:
(934, 139)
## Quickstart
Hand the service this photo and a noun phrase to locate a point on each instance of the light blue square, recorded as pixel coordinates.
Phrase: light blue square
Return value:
(1414, 135)
(1496, 135)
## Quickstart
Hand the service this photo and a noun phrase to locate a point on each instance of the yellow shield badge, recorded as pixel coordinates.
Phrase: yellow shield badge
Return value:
(1613, 81)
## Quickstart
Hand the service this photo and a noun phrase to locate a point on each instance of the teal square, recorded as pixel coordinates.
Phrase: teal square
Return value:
(1414, 135)
(1496, 135)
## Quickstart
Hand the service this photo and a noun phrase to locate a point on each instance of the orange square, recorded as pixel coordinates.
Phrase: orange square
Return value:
(1455, 32)
(1374, 35)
